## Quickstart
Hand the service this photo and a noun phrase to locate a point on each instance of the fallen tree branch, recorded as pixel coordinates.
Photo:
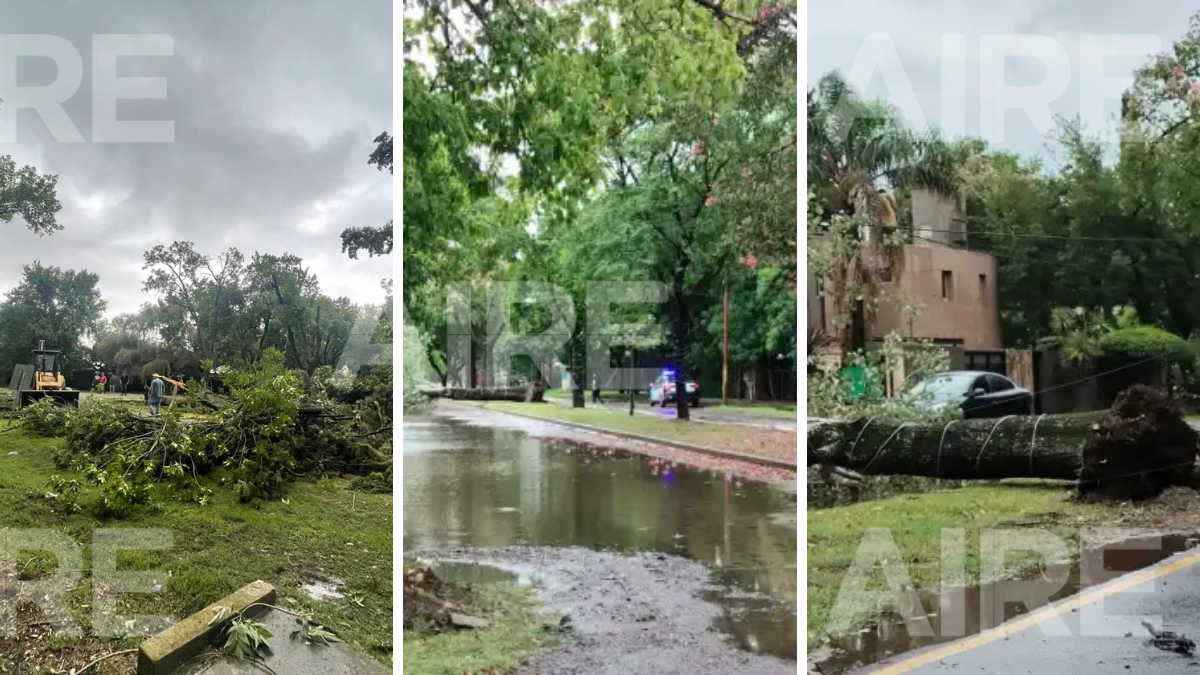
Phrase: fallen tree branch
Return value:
(84, 669)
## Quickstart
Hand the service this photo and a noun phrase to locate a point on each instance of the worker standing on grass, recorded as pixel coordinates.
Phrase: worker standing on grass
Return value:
(596, 390)
(154, 402)
(103, 383)
(124, 384)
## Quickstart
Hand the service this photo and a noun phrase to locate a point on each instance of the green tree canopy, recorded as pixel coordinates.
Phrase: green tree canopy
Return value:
(51, 304)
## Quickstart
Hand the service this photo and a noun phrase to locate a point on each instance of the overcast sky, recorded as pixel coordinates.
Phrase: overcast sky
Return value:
(838, 31)
(275, 105)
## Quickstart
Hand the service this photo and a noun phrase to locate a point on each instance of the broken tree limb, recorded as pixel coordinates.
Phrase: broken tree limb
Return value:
(1134, 450)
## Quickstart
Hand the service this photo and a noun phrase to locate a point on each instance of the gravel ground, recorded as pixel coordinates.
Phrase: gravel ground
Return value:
(633, 615)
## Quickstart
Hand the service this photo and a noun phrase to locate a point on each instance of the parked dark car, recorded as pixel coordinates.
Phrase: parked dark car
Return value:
(976, 394)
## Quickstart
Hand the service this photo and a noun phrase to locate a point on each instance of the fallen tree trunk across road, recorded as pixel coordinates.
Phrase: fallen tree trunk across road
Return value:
(1140, 446)
(1046, 446)
(531, 393)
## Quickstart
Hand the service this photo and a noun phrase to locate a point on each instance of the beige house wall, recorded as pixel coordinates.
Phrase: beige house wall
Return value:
(937, 219)
(954, 293)
(966, 313)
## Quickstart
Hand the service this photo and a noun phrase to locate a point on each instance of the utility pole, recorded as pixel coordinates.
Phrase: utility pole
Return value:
(629, 378)
(725, 359)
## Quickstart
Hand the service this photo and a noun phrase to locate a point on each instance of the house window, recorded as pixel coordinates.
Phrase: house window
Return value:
(947, 285)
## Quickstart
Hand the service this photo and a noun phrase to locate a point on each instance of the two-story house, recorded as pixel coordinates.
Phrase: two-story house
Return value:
(939, 291)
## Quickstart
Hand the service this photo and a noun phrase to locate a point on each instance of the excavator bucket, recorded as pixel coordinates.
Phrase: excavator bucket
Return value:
(60, 396)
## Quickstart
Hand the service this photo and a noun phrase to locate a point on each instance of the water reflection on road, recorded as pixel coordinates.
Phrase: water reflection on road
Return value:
(478, 486)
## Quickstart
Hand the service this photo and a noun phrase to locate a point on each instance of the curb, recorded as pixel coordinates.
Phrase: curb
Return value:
(724, 454)
(170, 649)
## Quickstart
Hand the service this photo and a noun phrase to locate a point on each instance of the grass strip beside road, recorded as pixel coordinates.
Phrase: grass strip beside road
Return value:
(916, 522)
(778, 445)
(781, 410)
(740, 406)
(513, 634)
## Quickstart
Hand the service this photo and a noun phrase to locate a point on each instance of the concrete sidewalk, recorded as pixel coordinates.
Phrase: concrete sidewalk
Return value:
(1167, 595)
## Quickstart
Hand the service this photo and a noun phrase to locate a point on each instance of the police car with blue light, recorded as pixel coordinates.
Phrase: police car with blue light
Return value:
(664, 391)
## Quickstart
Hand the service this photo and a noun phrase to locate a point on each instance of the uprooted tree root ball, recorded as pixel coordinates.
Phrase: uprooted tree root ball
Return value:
(276, 426)
(1143, 445)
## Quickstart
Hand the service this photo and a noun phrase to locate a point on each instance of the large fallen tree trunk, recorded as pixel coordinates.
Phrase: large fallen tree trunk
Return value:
(1049, 446)
(1141, 445)
(526, 393)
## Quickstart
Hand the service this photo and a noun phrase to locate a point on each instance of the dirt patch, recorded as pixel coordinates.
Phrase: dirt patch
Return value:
(632, 615)
(1176, 510)
(33, 641)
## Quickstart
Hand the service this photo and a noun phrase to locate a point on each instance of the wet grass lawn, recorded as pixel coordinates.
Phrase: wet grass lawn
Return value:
(323, 528)
(514, 633)
(916, 522)
(762, 443)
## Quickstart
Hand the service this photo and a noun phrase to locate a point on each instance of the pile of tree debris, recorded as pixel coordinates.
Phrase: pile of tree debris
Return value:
(276, 425)
(424, 608)
(1133, 451)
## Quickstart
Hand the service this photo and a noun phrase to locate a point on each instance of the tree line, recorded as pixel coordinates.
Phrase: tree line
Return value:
(1107, 226)
(211, 311)
(605, 142)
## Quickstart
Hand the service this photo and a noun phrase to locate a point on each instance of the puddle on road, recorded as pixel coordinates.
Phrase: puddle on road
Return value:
(473, 573)
(889, 636)
(480, 486)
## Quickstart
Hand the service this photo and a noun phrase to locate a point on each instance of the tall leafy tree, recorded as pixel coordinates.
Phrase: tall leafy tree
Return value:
(26, 193)
(33, 196)
(374, 240)
(860, 154)
(198, 295)
(309, 328)
(59, 306)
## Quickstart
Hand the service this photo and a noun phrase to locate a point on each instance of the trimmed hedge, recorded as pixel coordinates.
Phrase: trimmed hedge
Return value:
(1145, 342)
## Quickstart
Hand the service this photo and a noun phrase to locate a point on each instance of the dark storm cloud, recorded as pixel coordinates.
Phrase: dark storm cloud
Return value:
(275, 105)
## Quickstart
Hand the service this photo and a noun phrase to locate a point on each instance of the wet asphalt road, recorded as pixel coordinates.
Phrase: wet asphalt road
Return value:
(1100, 631)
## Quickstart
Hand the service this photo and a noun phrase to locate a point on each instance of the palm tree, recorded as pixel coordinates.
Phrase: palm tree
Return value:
(1080, 332)
(859, 154)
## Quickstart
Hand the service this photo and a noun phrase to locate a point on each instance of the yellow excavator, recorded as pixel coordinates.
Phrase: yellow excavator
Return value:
(44, 379)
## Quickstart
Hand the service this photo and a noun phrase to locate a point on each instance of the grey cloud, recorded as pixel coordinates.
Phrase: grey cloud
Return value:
(836, 33)
(275, 105)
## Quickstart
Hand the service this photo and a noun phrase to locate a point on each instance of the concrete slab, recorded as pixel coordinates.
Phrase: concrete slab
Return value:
(1098, 631)
(292, 656)
(171, 648)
